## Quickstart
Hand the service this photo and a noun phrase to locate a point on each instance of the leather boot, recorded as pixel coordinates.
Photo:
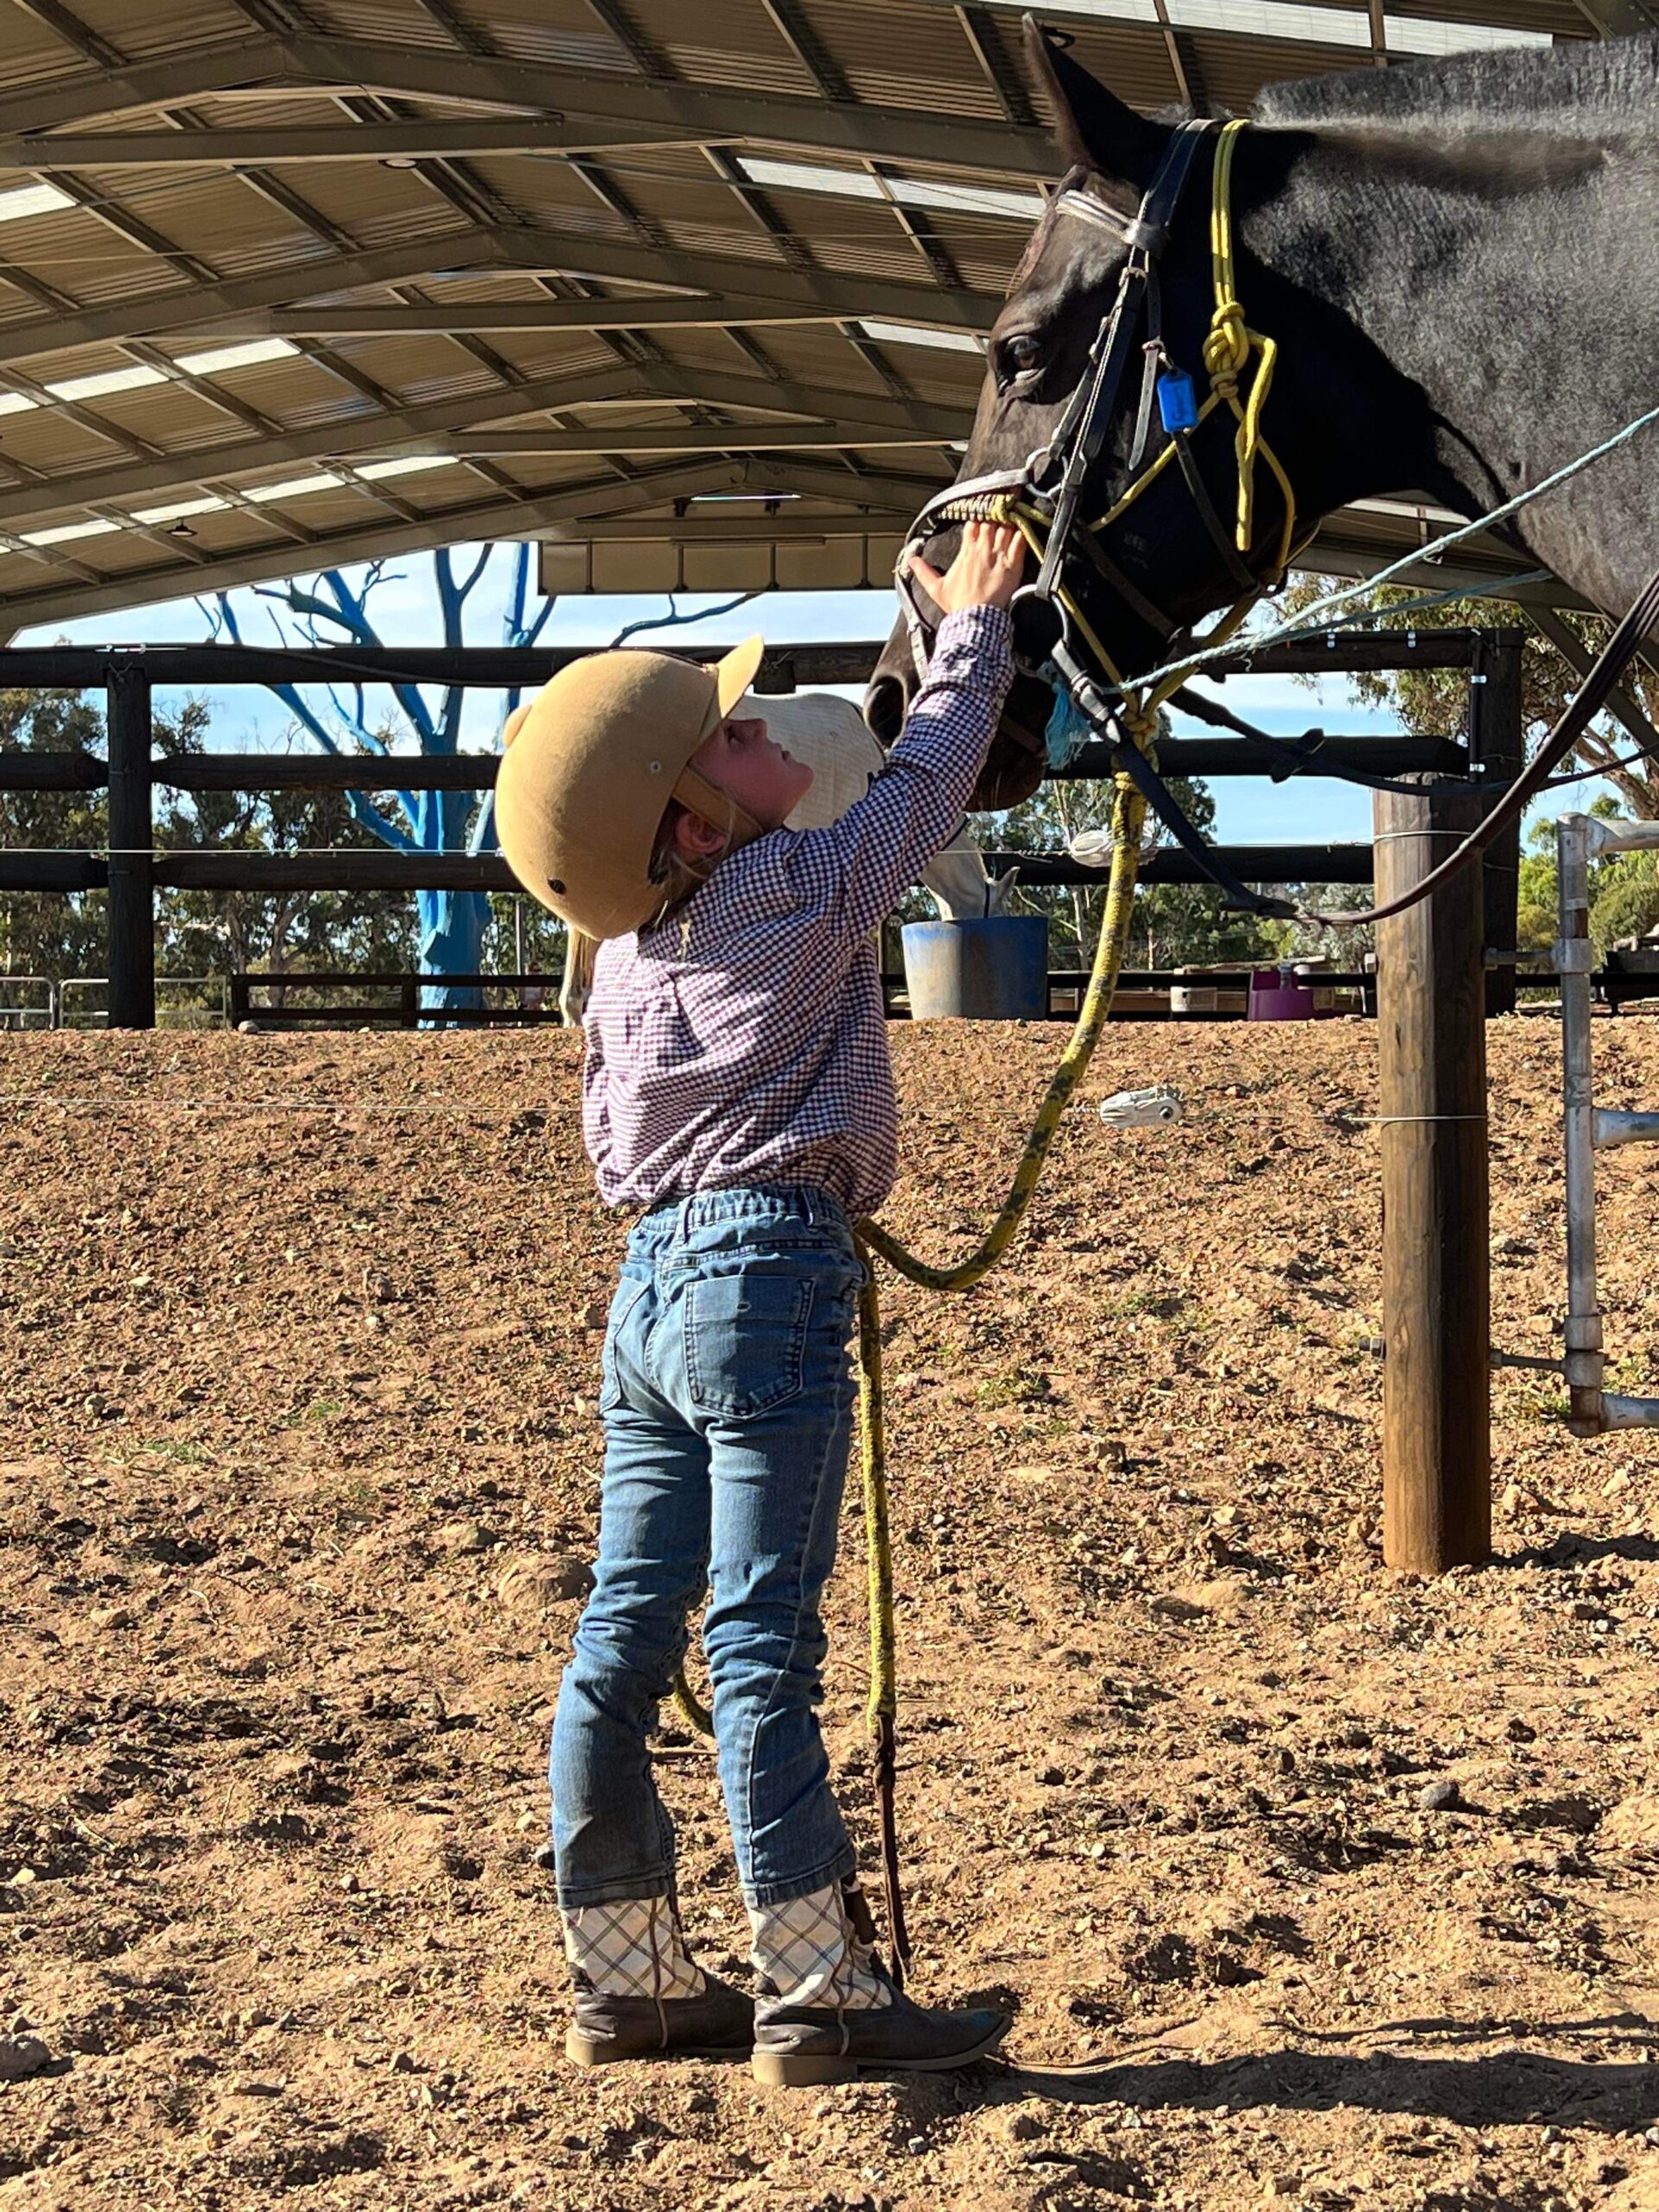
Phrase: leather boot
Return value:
(799, 2044)
(717, 2023)
(640, 1994)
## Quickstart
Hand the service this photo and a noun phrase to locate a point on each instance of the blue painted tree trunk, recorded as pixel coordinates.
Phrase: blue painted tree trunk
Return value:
(453, 923)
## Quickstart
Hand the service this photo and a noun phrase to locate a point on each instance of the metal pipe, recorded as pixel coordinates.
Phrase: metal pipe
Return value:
(1611, 1128)
(1574, 958)
(1629, 1412)
(1616, 836)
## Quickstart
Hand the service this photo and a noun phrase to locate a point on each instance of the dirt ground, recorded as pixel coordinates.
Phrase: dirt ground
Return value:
(298, 1344)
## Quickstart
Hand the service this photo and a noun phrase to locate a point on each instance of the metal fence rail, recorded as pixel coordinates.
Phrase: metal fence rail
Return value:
(130, 868)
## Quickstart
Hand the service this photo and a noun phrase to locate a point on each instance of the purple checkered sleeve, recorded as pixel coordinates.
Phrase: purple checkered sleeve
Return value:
(742, 1040)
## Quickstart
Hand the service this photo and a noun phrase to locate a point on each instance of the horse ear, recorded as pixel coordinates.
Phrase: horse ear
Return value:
(1093, 129)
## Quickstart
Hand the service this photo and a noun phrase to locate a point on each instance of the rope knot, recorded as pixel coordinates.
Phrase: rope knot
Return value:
(1226, 346)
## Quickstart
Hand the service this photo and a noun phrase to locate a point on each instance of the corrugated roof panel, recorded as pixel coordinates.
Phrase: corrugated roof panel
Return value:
(422, 372)
(911, 57)
(50, 440)
(31, 55)
(382, 23)
(561, 33)
(171, 416)
(145, 30)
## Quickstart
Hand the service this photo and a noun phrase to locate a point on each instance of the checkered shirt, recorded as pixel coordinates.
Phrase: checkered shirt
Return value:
(742, 1041)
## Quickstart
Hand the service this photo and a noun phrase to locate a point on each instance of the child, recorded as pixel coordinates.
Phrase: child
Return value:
(737, 1089)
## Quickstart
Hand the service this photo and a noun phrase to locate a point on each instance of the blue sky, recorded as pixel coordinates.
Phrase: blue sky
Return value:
(405, 609)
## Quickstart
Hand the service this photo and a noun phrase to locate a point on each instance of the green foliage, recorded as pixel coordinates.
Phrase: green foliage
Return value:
(1434, 702)
(1176, 924)
(1623, 890)
(198, 932)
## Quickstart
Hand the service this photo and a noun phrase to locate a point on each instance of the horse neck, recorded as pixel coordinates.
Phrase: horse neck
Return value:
(1489, 330)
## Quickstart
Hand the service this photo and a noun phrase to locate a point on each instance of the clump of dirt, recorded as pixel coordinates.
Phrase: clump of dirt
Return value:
(298, 1351)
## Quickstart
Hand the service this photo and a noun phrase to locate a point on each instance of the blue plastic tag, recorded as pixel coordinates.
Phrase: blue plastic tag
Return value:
(1178, 403)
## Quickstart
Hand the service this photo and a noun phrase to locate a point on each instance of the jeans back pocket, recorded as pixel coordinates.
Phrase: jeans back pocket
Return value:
(746, 1340)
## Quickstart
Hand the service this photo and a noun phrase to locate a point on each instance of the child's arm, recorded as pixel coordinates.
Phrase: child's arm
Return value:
(857, 867)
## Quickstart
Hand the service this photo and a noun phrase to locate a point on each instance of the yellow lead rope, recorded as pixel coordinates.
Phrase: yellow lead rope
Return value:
(1128, 820)
(1227, 352)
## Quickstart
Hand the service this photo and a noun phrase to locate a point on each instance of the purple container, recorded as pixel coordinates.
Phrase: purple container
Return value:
(1276, 997)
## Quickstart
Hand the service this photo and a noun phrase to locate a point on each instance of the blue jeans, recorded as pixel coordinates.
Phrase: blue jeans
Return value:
(726, 1398)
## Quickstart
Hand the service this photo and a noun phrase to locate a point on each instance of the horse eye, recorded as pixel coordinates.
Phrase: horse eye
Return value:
(1020, 354)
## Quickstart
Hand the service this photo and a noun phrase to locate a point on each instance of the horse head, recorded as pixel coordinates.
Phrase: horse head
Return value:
(1339, 420)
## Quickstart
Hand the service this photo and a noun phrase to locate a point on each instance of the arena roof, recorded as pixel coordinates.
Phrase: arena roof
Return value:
(690, 292)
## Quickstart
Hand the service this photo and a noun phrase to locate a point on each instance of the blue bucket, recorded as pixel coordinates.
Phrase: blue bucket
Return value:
(991, 970)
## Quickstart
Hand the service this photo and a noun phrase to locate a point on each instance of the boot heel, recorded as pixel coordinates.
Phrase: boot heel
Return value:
(794, 2069)
(587, 2050)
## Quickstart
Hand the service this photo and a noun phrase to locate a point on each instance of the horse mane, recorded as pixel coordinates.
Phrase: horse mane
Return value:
(1587, 86)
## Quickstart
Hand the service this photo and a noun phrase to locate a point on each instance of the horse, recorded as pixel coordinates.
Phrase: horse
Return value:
(829, 734)
(1456, 261)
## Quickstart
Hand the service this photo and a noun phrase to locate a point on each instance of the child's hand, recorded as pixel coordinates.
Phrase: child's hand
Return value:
(985, 573)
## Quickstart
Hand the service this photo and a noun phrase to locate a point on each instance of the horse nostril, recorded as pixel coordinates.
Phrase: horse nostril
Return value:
(884, 708)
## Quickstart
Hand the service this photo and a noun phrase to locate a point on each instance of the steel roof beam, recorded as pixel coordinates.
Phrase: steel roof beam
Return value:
(236, 306)
(524, 518)
(342, 142)
(719, 116)
(193, 307)
(434, 319)
(850, 296)
(783, 395)
(1613, 18)
(687, 437)
(142, 85)
(393, 432)
(375, 436)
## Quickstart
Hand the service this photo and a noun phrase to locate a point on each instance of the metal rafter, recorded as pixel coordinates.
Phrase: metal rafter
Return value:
(1183, 61)
(717, 116)
(112, 89)
(984, 36)
(400, 430)
(218, 145)
(692, 437)
(423, 318)
(808, 48)
(200, 272)
(69, 28)
(521, 516)
(371, 436)
(632, 40)
(1613, 18)
(193, 307)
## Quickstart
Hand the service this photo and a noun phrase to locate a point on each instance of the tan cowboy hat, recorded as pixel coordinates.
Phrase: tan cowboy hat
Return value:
(589, 768)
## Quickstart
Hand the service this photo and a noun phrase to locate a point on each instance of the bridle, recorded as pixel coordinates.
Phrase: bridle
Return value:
(1053, 639)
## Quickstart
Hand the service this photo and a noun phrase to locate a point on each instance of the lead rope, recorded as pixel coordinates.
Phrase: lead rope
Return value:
(1128, 821)
(1226, 354)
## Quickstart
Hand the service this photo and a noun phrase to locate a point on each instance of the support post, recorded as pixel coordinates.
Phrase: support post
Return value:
(132, 894)
(1575, 960)
(1432, 1066)
(1497, 750)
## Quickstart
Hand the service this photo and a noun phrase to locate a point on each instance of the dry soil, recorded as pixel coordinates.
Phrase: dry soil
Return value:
(298, 1339)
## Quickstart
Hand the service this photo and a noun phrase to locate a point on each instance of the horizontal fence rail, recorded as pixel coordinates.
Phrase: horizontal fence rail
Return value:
(131, 868)
(365, 871)
(476, 771)
(77, 668)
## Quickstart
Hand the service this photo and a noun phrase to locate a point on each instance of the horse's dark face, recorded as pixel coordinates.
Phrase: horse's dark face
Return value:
(1038, 350)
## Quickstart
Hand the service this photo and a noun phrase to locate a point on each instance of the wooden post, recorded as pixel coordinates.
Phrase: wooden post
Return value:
(132, 896)
(1497, 750)
(1432, 1066)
